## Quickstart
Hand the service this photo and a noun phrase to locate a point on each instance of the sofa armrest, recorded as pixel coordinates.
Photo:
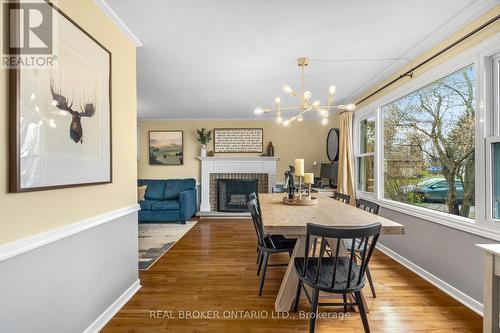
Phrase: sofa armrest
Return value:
(187, 205)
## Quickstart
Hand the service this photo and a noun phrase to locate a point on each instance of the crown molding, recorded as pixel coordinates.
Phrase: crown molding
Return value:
(106, 9)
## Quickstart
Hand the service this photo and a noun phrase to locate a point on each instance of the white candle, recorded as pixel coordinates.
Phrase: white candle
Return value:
(299, 167)
(309, 178)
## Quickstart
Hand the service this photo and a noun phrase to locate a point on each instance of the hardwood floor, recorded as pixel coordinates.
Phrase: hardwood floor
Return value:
(213, 269)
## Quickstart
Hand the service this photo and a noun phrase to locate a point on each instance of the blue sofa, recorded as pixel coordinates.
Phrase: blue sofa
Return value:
(171, 200)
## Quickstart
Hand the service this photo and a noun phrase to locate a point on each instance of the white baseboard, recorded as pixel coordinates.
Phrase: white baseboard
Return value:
(466, 300)
(113, 309)
(20, 246)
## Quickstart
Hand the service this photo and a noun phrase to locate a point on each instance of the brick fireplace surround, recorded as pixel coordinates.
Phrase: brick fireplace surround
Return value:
(262, 183)
(212, 168)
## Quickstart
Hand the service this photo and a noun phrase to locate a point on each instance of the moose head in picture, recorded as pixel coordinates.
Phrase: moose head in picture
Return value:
(87, 109)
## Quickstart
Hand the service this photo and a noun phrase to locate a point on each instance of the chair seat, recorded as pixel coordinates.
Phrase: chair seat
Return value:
(326, 274)
(280, 242)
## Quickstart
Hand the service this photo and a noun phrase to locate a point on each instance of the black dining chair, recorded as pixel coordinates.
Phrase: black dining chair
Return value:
(268, 244)
(345, 198)
(337, 274)
(275, 237)
(368, 206)
(373, 208)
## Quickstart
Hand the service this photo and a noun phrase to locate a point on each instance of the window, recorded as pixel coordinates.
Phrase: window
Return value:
(429, 145)
(496, 180)
(366, 156)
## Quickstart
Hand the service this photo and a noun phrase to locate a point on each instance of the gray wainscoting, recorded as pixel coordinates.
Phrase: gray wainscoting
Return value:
(66, 285)
(447, 253)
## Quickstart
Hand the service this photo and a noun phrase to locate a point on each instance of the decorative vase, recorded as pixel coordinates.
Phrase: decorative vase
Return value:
(203, 152)
(270, 149)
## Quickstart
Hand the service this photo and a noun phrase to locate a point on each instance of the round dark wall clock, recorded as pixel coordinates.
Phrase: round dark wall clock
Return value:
(332, 145)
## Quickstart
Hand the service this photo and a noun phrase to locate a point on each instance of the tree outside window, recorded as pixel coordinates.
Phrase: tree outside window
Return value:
(429, 145)
(366, 156)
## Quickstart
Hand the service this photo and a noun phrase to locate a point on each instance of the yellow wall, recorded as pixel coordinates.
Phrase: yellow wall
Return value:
(468, 43)
(25, 214)
(301, 140)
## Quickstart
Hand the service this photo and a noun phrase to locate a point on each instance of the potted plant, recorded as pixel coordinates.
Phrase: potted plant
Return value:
(204, 136)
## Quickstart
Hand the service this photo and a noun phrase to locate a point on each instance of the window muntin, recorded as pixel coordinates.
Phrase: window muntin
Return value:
(429, 139)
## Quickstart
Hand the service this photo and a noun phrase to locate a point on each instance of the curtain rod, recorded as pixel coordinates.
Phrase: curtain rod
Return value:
(435, 55)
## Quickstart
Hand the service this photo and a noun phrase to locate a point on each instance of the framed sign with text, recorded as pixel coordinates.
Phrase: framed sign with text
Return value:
(238, 140)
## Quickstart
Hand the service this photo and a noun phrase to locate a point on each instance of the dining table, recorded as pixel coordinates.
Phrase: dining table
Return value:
(291, 221)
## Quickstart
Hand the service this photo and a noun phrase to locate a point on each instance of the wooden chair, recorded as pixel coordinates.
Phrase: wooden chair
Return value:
(268, 244)
(337, 274)
(342, 197)
(373, 208)
(368, 206)
(276, 237)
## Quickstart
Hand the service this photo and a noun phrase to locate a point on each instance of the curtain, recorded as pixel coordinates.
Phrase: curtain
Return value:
(345, 181)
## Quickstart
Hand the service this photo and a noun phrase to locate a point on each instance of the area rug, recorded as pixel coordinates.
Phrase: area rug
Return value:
(155, 239)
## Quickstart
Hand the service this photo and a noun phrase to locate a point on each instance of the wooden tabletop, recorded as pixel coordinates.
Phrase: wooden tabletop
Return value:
(279, 218)
(490, 248)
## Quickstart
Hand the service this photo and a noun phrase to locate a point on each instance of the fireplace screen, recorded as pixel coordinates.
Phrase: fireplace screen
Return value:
(232, 194)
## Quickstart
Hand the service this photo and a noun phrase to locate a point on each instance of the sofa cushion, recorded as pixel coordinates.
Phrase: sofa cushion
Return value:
(165, 205)
(146, 204)
(175, 186)
(155, 188)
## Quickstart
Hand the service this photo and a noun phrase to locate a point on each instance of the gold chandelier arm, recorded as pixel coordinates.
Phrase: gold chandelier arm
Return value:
(287, 108)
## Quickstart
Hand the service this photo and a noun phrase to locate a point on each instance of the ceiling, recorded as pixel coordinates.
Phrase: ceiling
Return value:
(223, 58)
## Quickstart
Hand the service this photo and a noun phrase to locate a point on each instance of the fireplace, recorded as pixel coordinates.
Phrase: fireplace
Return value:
(232, 194)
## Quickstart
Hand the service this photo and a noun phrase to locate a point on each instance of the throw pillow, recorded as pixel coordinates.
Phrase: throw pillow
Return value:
(141, 192)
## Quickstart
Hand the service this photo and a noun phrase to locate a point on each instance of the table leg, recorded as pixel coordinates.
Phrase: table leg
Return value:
(286, 294)
(490, 295)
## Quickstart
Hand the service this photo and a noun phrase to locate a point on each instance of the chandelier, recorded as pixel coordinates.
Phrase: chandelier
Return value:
(304, 98)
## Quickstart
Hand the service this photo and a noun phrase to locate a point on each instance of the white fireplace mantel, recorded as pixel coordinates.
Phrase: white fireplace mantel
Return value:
(237, 164)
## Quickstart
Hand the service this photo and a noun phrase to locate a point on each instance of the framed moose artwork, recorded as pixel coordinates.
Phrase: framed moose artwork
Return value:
(60, 114)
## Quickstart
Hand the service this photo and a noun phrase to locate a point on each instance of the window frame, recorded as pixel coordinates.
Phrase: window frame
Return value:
(489, 178)
(357, 152)
(481, 56)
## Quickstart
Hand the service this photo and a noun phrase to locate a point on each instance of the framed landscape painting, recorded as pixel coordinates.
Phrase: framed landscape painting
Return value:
(166, 148)
(60, 114)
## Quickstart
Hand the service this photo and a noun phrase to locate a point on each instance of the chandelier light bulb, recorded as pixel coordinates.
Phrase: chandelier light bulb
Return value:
(307, 95)
(332, 90)
(305, 102)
